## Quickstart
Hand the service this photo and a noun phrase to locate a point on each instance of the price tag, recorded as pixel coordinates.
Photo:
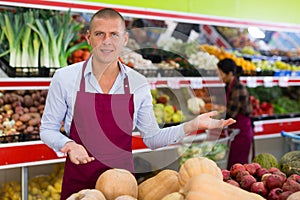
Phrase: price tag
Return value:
(152, 84)
(173, 83)
(258, 127)
(268, 81)
(283, 81)
(196, 83)
(251, 82)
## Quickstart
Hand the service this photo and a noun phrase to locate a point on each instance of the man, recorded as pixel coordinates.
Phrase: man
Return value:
(100, 101)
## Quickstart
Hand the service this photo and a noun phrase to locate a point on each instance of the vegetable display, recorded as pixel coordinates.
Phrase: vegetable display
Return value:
(39, 38)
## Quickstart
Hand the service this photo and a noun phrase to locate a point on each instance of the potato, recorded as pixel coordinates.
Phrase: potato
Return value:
(33, 109)
(29, 129)
(18, 123)
(25, 117)
(34, 122)
(15, 116)
(28, 101)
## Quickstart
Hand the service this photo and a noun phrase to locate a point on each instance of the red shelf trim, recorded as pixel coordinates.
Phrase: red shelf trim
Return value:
(40, 152)
(274, 128)
(159, 13)
(26, 153)
(24, 83)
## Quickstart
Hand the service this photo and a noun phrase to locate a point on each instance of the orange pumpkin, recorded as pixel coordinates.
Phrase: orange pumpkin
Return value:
(198, 165)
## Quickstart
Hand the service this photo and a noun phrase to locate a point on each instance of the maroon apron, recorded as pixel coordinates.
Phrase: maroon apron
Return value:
(103, 124)
(241, 145)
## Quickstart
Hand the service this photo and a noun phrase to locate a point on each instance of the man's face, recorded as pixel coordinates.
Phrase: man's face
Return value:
(107, 37)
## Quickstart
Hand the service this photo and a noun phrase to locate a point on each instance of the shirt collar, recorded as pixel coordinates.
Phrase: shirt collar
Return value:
(88, 70)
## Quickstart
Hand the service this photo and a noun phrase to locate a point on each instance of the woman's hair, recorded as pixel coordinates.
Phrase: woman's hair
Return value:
(107, 13)
(138, 23)
(228, 65)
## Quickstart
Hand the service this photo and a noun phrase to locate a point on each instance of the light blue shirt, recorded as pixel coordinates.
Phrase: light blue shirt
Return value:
(62, 95)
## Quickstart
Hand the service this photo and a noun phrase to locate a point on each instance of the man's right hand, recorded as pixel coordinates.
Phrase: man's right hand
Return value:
(77, 153)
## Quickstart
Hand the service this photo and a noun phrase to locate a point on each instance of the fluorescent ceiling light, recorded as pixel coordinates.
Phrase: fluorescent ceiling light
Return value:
(256, 32)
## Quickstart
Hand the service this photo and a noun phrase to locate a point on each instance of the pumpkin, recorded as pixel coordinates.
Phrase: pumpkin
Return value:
(294, 196)
(158, 186)
(207, 186)
(125, 197)
(116, 182)
(87, 194)
(174, 196)
(198, 165)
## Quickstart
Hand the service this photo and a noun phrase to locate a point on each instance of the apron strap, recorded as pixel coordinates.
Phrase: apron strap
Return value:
(82, 82)
(126, 85)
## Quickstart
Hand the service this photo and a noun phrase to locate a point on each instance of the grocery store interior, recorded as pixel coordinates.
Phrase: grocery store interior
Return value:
(176, 46)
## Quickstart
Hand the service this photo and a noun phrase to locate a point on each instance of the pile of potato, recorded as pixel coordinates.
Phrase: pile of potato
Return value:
(20, 114)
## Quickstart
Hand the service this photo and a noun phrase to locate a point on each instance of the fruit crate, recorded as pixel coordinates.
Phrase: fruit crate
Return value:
(214, 144)
(292, 140)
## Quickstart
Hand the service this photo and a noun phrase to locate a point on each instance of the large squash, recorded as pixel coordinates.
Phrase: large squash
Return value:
(87, 194)
(198, 165)
(158, 186)
(207, 186)
(116, 182)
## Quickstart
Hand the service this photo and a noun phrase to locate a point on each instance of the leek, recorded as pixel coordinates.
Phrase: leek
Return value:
(2, 43)
(26, 53)
(33, 50)
(55, 41)
(10, 24)
(44, 38)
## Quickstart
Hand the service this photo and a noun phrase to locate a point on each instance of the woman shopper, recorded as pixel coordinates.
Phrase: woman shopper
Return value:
(100, 101)
(238, 107)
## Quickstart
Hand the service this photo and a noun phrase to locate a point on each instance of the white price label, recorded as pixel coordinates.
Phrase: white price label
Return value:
(173, 83)
(196, 83)
(258, 127)
(268, 81)
(251, 82)
(152, 84)
(283, 81)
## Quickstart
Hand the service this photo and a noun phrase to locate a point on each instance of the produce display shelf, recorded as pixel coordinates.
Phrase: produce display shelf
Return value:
(171, 82)
(158, 82)
(36, 152)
